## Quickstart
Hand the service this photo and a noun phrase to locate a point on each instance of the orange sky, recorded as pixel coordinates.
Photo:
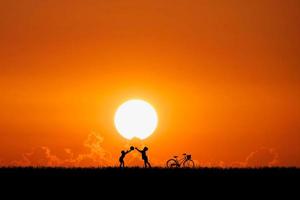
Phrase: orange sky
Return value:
(223, 76)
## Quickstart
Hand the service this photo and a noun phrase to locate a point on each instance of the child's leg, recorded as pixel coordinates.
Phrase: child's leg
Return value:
(146, 162)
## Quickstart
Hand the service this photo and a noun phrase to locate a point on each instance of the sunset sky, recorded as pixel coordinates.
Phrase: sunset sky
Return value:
(223, 76)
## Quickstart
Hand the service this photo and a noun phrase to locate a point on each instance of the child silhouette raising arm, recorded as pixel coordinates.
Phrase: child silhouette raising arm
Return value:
(123, 154)
(144, 156)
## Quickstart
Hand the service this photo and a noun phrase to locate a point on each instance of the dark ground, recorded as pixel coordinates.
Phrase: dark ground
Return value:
(149, 181)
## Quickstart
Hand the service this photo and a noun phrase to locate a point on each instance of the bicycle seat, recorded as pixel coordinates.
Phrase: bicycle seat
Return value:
(175, 156)
(184, 154)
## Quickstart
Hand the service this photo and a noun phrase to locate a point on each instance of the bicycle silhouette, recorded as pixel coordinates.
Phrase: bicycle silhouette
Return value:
(186, 162)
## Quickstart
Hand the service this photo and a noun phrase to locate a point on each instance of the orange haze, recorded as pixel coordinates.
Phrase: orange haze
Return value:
(223, 75)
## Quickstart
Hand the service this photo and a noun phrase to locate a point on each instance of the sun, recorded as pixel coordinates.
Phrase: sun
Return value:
(136, 118)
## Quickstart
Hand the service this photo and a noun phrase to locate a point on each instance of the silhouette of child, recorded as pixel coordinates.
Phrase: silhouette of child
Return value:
(144, 156)
(123, 154)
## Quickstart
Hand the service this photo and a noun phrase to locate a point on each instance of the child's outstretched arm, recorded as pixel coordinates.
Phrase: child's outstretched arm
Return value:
(127, 151)
(138, 150)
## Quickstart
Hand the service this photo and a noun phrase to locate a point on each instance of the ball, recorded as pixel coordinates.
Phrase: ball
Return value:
(131, 148)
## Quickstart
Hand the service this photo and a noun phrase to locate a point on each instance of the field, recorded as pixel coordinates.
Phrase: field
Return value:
(152, 173)
(129, 181)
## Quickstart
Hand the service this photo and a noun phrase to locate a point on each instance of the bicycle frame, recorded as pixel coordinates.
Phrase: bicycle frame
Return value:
(180, 161)
(186, 161)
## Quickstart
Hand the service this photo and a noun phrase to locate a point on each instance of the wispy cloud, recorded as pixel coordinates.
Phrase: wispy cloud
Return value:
(40, 156)
(95, 156)
(263, 157)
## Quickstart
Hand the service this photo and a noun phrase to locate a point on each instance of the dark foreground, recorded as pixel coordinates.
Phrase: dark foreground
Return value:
(149, 173)
(270, 180)
(162, 174)
(136, 172)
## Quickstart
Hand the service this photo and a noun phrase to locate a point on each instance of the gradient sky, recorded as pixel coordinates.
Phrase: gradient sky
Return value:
(223, 75)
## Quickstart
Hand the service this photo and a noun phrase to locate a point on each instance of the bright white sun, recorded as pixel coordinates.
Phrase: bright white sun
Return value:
(136, 118)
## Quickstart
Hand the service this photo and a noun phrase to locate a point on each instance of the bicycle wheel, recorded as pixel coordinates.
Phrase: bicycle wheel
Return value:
(172, 163)
(189, 164)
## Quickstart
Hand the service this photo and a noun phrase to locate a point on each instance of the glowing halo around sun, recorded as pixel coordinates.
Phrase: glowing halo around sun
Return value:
(136, 118)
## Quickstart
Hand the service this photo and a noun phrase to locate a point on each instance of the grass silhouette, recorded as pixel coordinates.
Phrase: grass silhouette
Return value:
(137, 172)
(171, 181)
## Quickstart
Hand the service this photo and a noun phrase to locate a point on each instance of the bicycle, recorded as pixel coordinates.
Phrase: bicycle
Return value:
(186, 162)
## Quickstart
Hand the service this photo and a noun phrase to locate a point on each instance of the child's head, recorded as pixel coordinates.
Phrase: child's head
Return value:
(145, 148)
(122, 152)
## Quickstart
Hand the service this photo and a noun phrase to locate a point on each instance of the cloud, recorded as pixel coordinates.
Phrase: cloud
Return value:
(96, 155)
(219, 164)
(40, 156)
(264, 157)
